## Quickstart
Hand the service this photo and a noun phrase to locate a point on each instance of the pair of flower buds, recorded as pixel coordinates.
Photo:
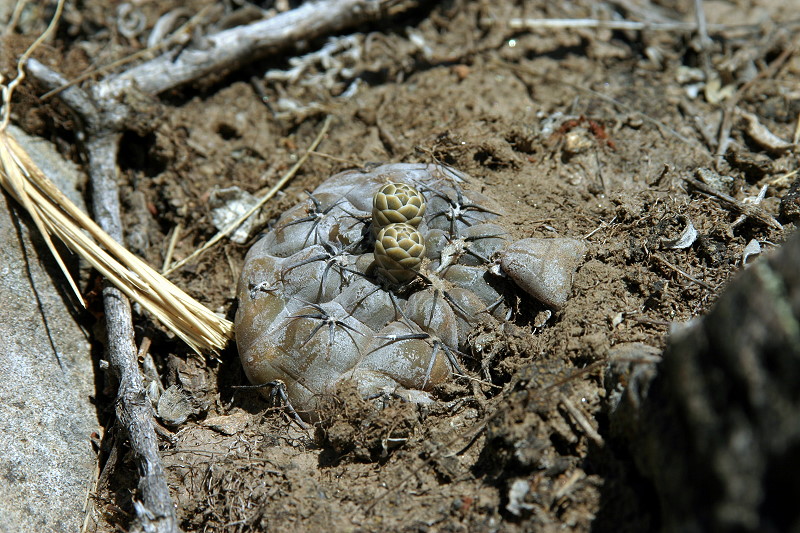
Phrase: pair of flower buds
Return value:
(397, 211)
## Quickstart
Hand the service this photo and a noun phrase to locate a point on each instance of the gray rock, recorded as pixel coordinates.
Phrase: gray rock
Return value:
(544, 267)
(46, 417)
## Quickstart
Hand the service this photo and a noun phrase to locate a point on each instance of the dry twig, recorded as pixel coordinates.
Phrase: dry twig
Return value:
(56, 215)
(231, 48)
(133, 408)
(630, 25)
(25, 182)
(681, 272)
(702, 34)
(749, 210)
(580, 419)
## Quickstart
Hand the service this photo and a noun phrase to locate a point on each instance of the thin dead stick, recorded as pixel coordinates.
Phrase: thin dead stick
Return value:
(13, 180)
(702, 34)
(339, 159)
(173, 241)
(603, 225)
(7, 90)
(681, 272)
(178, 37)
(784, 179)
(263, 200)
(12, 22)
(228, 49)
(477, 380)
(566, 488)
(57, 215)
(155, 512)
(580, 419)
(533, 24)
(134, 412)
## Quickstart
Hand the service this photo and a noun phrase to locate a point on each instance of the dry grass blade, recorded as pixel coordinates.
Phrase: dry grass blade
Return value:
(55, 214)
(7, 90)
(261, 201)
(15, 182)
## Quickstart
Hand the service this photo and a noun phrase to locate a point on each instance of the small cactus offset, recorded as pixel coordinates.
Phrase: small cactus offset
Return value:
(399, 250)
(395, 203)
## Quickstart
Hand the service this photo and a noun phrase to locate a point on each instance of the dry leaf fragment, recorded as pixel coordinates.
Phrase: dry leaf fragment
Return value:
(685, 239)
(762, 136)
(752, 249)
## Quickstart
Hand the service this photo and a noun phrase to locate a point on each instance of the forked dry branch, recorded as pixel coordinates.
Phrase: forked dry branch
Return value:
(103, 115)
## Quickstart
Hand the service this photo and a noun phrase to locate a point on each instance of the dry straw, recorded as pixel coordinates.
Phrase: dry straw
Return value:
(54, 214)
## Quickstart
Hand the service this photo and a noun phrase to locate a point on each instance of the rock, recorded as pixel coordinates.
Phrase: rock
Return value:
(718, 433)
(174, 407)
(46, 416)
(544, 267)
(228, 424)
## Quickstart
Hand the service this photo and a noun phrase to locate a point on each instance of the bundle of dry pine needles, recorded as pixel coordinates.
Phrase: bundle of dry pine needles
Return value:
(54, 214)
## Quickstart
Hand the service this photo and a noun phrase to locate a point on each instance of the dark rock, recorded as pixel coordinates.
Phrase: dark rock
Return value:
(718, 432)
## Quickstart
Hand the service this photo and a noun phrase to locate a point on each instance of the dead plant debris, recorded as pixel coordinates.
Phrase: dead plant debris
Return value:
(577, 128)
